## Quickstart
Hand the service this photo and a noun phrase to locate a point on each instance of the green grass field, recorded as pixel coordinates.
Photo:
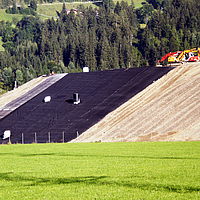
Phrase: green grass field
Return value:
(142, 170)
(50, 10)
(137, 3)
(8, 17)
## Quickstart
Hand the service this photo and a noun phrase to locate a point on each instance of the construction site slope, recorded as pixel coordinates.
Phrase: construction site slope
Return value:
(167, 110)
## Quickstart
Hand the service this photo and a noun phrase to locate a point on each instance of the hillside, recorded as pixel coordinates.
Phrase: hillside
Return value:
(110, 37)
(13, 94)
(13, 99)
(166, 110)
(49, 9)
(101, 92)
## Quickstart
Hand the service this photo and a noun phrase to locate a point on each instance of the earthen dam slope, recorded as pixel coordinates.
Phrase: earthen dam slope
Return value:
(100, 92)
(167, 110)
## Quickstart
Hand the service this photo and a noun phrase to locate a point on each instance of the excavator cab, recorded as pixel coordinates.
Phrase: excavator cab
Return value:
(173, 57)
(190, 57)
(193, 56)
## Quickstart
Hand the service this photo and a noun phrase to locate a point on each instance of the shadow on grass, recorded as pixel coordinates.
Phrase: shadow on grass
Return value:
(36, 181)
(98, 4)
(95, 180)
(109, 156)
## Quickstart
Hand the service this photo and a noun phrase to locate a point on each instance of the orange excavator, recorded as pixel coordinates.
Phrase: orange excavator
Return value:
(191, 55)
(169, 56)
(180, 57)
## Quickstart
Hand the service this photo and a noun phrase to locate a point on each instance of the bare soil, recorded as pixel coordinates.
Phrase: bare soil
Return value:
(167, 110)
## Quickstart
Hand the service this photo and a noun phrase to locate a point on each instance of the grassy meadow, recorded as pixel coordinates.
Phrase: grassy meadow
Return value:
(137, 3)
(141, 170)
(8, 17)
(50, 9)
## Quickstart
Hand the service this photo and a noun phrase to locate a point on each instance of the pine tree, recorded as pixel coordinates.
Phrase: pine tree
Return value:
(91, 61)
(14, 7)
(33, 4)
(19, 77)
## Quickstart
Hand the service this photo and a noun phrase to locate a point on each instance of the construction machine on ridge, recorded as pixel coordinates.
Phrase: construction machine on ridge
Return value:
(181, 57)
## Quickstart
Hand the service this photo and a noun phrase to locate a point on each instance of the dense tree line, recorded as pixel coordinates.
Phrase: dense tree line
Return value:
(106, 38)
(7, 3)
(22, 9)
(173, 27)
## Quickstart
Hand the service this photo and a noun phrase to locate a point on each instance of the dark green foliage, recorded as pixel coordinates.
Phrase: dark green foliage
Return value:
(108, 4)
(14, 8)
(27, 11)
(33, 4)
(21, 10)
(156, 3)
(5, 3)
(105, 38)
(171, 29)
(144, 13)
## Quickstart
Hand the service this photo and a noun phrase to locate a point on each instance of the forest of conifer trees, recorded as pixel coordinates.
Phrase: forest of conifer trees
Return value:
(109, 37)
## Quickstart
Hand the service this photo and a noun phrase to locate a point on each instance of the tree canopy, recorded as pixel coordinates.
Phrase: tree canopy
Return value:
(110, 37)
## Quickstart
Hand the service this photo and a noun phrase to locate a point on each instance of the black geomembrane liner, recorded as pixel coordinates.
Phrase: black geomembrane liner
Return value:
(100, 92)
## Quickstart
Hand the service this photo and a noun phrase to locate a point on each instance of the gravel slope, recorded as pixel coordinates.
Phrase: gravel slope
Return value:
(167, 110)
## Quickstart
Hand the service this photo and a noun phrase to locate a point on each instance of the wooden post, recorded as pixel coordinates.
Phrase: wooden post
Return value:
(63, 137)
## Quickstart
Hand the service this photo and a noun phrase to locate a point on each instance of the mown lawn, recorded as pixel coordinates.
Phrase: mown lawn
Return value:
(47, 11)
(50, 10)
(137, 3)
(8, 17)
(142, 170)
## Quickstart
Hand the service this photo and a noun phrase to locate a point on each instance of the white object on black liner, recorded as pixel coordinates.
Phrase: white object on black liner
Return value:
(47, 99)
(15, 85)
(6, 134)
(85, 69)
(77, 99)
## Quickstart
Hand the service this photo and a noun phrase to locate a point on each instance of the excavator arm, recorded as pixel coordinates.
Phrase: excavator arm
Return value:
(164, 58)
(171, 56)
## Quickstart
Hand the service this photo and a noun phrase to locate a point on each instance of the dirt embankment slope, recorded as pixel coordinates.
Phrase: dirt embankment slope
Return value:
(167, 110)
(13, 94)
